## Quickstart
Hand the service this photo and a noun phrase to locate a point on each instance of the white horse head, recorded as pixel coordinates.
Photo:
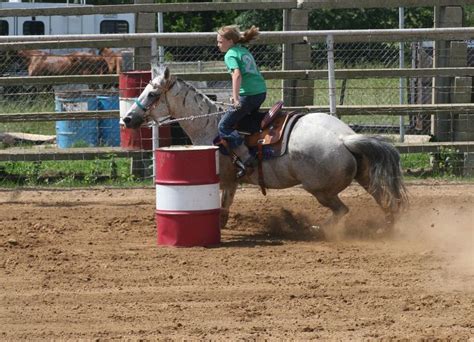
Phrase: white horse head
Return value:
(152, 98)
(166, 96)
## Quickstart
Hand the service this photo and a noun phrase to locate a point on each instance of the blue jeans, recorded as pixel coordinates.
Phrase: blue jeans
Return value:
(248, 105)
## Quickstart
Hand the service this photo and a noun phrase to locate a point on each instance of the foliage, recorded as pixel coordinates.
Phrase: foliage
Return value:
(415, 161)
(371, 18)
(448, 161)
(469, 16)
(269, 20)
(113, 171)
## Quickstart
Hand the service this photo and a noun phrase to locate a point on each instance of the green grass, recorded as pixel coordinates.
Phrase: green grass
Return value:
(415, 161)
(115, 171)
(28, 103)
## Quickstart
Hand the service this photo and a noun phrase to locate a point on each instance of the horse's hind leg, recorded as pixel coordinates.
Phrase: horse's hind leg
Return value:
(333, 202)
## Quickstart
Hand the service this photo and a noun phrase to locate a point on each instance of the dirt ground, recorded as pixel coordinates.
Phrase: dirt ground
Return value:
(84, 264)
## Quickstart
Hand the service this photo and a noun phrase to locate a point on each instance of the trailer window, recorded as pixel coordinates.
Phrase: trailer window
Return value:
(3, 28)
(33, 28)
(113, 26)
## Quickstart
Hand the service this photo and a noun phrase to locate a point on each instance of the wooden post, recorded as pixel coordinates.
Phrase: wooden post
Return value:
(145, 23)
(445, 16)
(463, 126)
(297, 56)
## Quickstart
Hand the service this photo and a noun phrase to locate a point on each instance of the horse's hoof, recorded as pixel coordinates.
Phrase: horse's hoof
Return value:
(317, 232)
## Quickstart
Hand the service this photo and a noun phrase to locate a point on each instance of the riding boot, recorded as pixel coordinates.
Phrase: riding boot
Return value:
(243, 160)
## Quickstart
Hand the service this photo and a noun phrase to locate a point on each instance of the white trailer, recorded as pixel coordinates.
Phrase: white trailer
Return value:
(50, 25)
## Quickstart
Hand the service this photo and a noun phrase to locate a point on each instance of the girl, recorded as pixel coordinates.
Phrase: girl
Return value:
(248, 89)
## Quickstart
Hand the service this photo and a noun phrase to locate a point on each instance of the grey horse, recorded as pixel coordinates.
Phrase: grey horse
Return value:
(324, 154)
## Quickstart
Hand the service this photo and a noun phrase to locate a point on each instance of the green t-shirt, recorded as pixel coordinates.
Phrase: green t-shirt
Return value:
(238, 57)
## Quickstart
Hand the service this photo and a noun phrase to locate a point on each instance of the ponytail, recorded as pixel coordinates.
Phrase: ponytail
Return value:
(232, 32)
(250, 34)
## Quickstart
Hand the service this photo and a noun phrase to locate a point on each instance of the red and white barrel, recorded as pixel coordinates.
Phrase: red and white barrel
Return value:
(131, 85)
(187, 196)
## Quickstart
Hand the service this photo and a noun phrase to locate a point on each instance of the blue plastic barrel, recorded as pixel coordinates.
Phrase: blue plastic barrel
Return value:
(71, 133)
(109, 129)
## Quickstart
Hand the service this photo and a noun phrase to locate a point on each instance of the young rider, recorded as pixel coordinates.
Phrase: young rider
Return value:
(248, 89)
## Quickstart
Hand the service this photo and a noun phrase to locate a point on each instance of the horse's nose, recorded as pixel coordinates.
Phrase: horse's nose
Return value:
(133, 121)
(127, 120)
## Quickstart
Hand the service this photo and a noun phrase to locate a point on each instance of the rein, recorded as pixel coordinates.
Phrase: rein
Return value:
(167, 120)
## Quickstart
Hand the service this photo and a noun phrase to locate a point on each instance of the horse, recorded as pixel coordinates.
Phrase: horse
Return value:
(113, 60)
(324, 154)
(88, 63)
(41, 63)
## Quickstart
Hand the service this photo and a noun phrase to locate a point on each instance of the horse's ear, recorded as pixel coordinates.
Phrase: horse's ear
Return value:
(166, 73)
(160, 70)
(159, 73)
(155, 71)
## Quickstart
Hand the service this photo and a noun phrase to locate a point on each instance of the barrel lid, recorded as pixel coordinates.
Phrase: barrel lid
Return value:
(185, 148)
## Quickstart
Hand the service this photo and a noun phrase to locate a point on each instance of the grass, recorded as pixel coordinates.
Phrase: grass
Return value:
(28, 103)
(115, 171)
(415, 161)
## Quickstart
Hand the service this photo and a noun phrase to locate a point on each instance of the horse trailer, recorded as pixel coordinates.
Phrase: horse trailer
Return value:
(55, 24)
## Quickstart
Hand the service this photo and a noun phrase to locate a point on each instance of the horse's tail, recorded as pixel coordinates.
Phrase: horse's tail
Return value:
(385, 181)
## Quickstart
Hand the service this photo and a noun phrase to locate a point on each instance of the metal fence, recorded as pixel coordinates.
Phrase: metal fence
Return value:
(68, 100)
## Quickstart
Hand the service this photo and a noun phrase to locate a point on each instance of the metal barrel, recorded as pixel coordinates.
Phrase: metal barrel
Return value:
(131, 84)
(109, 129)
(187, 196)
(76, 133)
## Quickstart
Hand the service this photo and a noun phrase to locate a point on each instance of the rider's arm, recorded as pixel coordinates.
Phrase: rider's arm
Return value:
(236, 80)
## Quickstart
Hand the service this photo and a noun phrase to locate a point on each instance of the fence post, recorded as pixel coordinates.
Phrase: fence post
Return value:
(444, 16)
(401, 25)
(297, 56)
(155, 135)
(331, 74)
(145, 23)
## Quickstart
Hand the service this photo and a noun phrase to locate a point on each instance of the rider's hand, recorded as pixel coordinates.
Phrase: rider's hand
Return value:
(236, 103)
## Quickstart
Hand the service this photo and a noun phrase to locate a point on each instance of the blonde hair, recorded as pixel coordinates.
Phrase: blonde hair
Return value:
(232, 32)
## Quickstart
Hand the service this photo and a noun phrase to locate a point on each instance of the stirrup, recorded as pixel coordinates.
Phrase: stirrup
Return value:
(240, 173)
(241, 169)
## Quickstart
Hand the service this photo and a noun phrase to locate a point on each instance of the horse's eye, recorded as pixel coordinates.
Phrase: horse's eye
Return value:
(153, 94)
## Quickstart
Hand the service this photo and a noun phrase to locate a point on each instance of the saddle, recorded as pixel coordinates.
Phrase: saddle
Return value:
(266, 134)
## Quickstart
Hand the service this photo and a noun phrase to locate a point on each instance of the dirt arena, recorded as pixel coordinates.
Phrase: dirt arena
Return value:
(84, 265)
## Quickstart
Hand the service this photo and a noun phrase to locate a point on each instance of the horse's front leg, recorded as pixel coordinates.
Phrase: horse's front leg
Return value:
(228, 194)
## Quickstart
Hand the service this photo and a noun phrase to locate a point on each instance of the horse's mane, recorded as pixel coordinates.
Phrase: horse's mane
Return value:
(201, 96)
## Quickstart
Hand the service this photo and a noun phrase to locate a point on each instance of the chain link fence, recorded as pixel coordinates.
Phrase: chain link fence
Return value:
(73, 131)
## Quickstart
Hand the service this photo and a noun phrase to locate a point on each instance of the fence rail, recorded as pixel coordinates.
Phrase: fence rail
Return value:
(208, 38)
(90, 153)
(343, 110)
(269, 75)
(93, 153)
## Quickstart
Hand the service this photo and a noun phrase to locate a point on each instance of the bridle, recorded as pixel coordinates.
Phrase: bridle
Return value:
(146, 109)
(169, 118)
